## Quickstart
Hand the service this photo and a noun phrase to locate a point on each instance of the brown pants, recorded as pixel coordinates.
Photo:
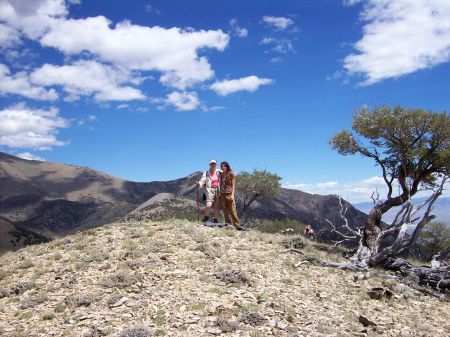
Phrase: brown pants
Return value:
(229, 210)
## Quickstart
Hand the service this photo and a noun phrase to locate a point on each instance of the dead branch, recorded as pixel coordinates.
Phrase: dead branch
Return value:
(354, 233)
(299, 263)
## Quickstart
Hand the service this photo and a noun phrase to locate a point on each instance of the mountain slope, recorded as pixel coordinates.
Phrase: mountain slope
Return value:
(56, 199)
(176, 278)
(52, 198)
(14, 238)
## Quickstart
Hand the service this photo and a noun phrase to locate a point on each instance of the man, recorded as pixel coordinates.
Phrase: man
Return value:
(309, 232)
(210, 181)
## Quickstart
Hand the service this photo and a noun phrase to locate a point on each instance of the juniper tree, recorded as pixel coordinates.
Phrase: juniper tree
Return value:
(412, 149)
(257, 185)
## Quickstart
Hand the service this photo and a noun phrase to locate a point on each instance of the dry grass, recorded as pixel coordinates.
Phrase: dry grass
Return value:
(181, 279)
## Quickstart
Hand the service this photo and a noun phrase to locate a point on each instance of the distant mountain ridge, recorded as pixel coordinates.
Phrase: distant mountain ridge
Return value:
(441, 209)
(55, 199)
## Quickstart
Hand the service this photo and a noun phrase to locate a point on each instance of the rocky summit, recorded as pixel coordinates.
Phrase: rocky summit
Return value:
(178, 278)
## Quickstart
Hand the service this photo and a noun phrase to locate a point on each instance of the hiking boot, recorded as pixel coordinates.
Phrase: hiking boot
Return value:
(205, 218)
(215, 221)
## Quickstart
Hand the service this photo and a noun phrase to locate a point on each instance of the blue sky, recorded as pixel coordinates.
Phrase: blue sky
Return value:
(151, 90)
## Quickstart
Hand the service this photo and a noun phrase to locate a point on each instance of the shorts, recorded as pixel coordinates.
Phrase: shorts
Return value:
(212, 194)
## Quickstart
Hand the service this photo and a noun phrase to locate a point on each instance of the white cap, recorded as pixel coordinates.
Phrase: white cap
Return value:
(213, 161)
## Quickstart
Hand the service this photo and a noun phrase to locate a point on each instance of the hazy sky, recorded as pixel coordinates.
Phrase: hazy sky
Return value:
(151, 90)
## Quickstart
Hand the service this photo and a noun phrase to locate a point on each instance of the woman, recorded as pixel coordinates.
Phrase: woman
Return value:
(227, 189)
(210, 180)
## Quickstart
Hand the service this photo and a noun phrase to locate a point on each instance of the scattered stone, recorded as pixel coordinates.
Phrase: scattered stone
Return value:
(277, 324)
(380, 293)
(80, 299)
(136, 331)
(226, 325)
(119, 302)
(296, 242)
(404, 290)
(233, 276)
(28, 304)
(252, 318)
(22, 287)
(365, 321)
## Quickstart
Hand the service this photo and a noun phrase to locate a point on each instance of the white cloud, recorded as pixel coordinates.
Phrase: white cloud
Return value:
(238, 30)
(276, 59)
(9, 37)
(88, 78)
(279, 45)
(183, 101)
(24, 127)
(278, 22)
(29, 156)
(249, 83)
(354, 191)
(172, 52)
(123, 106)
(399, 38)
(19, 84)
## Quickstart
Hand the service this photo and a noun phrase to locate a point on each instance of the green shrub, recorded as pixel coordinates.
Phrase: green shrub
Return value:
(275, 226)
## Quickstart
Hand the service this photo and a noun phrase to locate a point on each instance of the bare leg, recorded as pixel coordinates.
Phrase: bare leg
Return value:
(208, 208)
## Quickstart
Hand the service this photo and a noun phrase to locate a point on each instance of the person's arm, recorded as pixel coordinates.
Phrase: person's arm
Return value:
(202, 180)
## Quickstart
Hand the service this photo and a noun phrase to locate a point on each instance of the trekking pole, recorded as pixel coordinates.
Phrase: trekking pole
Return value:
(198, 207)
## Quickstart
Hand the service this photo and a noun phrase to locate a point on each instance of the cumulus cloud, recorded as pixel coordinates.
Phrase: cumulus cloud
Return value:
(29, 156)
(249, 83)
(9, 36)
(84, 78)
(354, 191)
(173, 52)
(24, 127)
(183, 101)
(279, 45)
(20, 84)
(238, 30)
(278, 22)
(399, 38)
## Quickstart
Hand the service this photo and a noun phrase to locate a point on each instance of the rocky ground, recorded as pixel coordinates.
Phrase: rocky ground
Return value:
(176, 278)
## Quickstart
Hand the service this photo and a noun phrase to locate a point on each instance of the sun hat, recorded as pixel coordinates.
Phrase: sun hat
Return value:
(213, 161)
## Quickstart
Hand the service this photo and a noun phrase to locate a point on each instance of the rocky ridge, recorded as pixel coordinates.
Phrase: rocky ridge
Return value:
(177, 278)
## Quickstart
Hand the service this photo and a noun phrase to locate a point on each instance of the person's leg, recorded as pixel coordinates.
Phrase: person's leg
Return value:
(234, 216)
(208, 208)
(216, 210)
(209, 203)
(226, 214)
(216, 206)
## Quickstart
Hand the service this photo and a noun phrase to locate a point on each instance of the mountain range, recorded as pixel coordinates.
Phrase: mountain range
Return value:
(53, 199)
(441, 209)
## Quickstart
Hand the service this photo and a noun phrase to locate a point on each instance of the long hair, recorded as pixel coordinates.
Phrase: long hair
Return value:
(225, 163)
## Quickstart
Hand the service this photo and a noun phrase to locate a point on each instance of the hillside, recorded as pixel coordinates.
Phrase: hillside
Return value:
(13, 237)
(176, 278)
(56, 199)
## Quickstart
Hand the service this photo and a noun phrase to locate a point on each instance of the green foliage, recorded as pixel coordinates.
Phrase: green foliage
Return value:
(262, 184)
(435, 238)
(275, 226)
(407, 143)
(257, 185)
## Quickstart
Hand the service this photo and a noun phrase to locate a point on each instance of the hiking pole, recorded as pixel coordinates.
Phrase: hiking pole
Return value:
(198, 207)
